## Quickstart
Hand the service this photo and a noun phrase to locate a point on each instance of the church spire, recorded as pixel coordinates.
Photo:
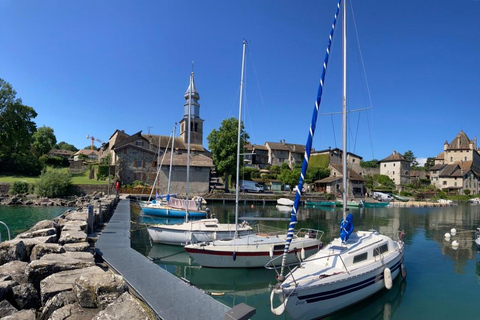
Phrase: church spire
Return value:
(191, 98)
(196, 123)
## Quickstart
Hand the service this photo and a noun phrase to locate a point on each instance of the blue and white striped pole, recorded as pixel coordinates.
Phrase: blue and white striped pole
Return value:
(311, 133)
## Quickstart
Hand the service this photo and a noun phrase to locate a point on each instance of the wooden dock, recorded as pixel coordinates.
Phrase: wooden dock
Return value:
(168, 296)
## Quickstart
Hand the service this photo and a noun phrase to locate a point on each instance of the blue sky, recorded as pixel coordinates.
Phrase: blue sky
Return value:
(91, 67)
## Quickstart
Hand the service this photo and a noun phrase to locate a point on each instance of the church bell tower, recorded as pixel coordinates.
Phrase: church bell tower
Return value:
(196, 124)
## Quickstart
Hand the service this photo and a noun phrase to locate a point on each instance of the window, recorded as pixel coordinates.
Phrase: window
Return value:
(360, 257)
(451, 159)
(139, 143)
(444, 183)
(394, 164)
(125, 151)
(380, 250)
(385, 165)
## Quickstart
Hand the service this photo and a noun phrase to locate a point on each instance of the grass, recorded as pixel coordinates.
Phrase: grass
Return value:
(77, 178)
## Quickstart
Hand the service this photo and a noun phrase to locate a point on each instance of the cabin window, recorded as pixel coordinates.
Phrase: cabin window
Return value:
(380, 250)
(139, 143)
(360, 257)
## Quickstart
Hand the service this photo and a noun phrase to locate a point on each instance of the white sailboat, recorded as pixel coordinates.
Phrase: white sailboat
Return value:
(160, 201)
(350, 268)
(253, 250)
(190, 231)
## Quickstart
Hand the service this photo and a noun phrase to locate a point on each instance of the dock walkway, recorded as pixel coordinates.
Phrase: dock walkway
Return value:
(168, 296)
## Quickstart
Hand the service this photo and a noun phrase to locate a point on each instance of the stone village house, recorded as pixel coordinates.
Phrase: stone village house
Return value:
(136, 157)
(333, 184)
(457, 168)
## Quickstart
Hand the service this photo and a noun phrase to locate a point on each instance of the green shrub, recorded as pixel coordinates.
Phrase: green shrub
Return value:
(18, 187)
(54, 183)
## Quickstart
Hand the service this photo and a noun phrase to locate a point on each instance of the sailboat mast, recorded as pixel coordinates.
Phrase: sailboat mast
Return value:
(344, 107)
(171, 160)
(188, 146)
(238, 139)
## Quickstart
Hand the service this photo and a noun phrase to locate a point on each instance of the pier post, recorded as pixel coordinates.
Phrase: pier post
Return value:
(90, 219)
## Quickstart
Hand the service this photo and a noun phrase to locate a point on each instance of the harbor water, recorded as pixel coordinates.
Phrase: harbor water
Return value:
(443, 282)
(21, 218)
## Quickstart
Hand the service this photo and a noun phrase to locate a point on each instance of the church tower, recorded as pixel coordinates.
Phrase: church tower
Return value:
(196, 124)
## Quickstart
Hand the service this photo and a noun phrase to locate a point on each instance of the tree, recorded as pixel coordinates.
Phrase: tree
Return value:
(429, 163)
(223, 144)
(369, 164)
(16, 130)
(65, 146)
(43, 140)
(54, 183)
(408, 155)
(289, 176)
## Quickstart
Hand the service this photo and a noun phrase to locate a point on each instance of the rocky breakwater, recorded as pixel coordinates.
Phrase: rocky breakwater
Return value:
(51, 272)
(34, 200)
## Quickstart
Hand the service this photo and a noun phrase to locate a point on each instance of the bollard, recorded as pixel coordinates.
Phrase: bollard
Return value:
(90, 219)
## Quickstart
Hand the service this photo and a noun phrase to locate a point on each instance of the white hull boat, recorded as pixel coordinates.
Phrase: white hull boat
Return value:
(254, 251)
(339, 275)
(284, 202)
(194, 231)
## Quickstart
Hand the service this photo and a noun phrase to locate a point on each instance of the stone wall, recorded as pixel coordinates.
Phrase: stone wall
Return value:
(4, 188)
(82, 189)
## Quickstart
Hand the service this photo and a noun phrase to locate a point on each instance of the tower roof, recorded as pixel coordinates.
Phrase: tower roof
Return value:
(461, 142)
(194, 91)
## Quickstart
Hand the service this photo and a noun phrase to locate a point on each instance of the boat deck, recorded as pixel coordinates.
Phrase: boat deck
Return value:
(168, 296)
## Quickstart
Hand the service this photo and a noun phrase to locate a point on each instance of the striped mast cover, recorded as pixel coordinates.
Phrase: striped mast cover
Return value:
(311, 133)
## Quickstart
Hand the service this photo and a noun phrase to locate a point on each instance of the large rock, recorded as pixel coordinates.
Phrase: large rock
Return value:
(98, 289)
(26, 296)
(52, 263)
(6, 289)
(14, 270)
(45, 248)
(63, 281)
(76, 312)
(44, 224)
(77, 247)
(74, 225)
(13, 250)
(37, 233)
(21, 315)
(6, 309)
(125, 307)
(62, 299)
(77, 216)
(72, 237)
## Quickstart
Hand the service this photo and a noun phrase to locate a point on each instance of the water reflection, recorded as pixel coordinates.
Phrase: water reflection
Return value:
(429, 257)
